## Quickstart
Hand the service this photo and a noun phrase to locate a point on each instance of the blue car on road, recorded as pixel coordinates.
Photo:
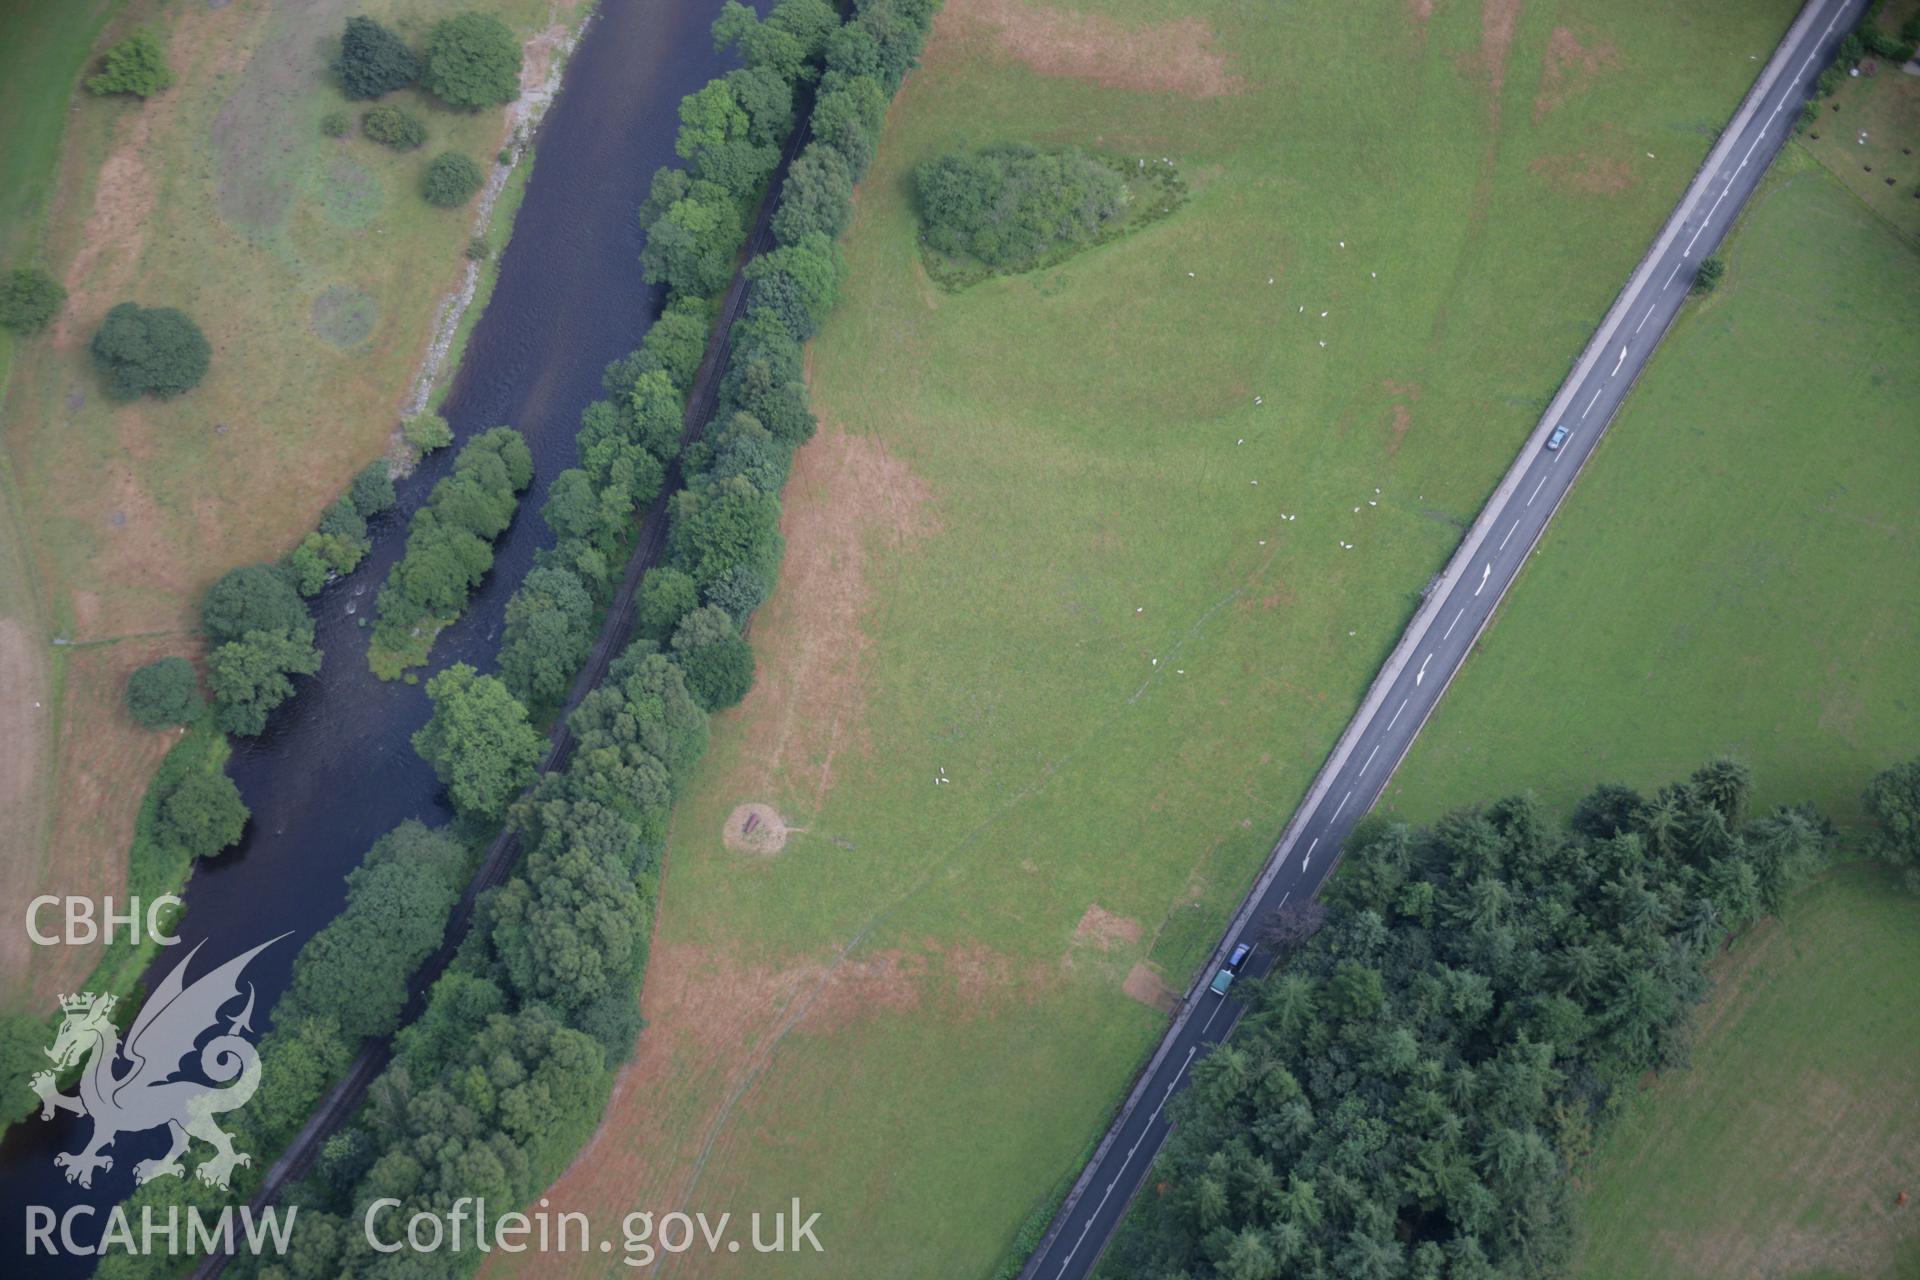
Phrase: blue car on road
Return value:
(1235, 963)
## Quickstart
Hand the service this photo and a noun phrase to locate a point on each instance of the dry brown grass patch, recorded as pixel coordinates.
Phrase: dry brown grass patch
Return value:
(847, 496)
(714, 1024)
(1570, 68)
(1587, 172)
(1175, 56)
(1499, 19)
(102, 757)
(1150, 989)
(1101, 928)
(755, 828)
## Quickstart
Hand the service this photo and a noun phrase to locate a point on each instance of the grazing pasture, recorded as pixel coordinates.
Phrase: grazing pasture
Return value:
(1065, 624)
(1721, 580)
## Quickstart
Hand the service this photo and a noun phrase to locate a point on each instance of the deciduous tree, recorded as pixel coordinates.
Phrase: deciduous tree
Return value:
(472, 61)
(203, 814)
(29, 299)
(136, 65)
(154, 351)
(164, 692)
(478, 740)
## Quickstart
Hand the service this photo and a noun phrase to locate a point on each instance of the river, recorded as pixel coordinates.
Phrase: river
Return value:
(336, 768)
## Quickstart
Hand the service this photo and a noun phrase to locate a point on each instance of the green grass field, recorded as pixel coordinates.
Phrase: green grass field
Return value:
(1782, 1151)
(1869, 135)
(920, 1010)
(42, 56)
(1723, 578)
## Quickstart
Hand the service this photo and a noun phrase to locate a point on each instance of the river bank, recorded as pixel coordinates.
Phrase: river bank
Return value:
(152, 871)
(317, 272)
(335, 768)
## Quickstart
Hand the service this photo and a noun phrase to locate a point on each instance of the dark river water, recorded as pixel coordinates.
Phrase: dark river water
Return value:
(335, 769)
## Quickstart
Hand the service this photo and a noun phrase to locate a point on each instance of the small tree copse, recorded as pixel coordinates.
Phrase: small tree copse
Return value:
(798, 282)
(1010, 205)
(30, 299)
(817, 196)
(693, 234)
(253, 598)
(136, 65)
(450, 180)
(155, 351)
(472, 61)
(164, 693)
(392, 127)
(718, 663)
(336, 124)
(548, 634)
(666, 596)
(373, 60)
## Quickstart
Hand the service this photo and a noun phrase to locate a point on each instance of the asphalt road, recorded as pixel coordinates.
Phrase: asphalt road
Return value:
(1438, 640)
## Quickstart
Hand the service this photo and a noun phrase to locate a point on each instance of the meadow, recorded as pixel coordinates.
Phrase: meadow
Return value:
(315, 269)
(1719, 582)
(1047, 667)
(1783, 1149)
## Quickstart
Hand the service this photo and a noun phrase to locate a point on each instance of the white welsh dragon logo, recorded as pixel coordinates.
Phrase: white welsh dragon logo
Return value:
(147, 1094)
